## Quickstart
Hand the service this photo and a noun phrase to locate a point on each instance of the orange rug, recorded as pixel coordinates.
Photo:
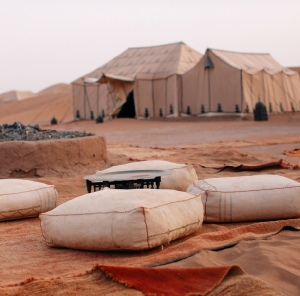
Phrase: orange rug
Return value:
(171, 281)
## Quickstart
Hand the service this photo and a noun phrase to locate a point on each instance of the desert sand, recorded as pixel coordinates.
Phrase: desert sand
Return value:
(268, 261)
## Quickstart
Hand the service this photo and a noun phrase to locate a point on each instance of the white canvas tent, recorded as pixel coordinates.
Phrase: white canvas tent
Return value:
(139, 81)
(226, 81)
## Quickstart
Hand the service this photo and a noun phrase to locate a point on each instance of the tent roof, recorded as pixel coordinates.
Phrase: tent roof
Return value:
(251, 62)
(297, 69)
(162, 60)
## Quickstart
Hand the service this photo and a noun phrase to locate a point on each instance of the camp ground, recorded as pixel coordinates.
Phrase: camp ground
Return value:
(175, 80)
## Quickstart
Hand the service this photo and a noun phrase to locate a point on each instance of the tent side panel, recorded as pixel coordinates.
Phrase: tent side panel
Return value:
(102, 99)
(88, 98)
(292, 92)
(269, 93)
(78, 101)
(279, 92)
(276, 91)
(249, 103)
(172, 95)
(159, 97)
(295, 81)
(224, 86)
(195, 89)
(258, 88)
(189, 91)
(143, 97)
(102, 103)
(90, 101)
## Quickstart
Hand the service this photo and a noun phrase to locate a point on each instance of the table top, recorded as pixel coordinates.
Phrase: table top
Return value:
(127, 175)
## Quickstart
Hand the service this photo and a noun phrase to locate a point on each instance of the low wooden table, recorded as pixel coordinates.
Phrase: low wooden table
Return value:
(125, 179)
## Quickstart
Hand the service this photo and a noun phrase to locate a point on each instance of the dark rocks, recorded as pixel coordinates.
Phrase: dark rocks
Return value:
(20, 132)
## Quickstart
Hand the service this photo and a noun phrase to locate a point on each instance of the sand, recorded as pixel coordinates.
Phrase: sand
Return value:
(29, 267)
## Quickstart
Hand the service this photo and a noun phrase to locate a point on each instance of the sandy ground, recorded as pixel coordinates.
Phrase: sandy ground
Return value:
(209, 141)
(202, 142)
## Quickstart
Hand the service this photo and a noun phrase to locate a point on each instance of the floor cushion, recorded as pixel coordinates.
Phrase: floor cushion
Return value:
(248, 198)
(21, 198)
(180, 178)
(119, 219)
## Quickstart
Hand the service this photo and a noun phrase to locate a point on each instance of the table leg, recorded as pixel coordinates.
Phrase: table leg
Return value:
(89, 186)
(157, 182)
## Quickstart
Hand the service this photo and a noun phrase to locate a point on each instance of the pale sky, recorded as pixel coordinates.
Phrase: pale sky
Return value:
(44, 42)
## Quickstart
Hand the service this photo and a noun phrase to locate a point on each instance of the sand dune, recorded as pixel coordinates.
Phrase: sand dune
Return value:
(56, 88)
(13, 95)
(55, 101)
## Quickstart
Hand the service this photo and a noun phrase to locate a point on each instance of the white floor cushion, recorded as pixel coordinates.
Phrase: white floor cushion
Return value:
(117, 219)
(21, 198)
(181, 176)
(248, 198)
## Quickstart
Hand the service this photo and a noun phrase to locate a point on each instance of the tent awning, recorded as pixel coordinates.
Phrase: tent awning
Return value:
(105, 77)
(90, 80)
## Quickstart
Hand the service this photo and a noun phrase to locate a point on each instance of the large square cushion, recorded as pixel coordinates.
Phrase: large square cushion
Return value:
(248, 198)
(181, 175)
(117, 219)
(21, 198)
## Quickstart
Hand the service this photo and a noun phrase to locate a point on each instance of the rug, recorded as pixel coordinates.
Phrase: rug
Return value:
(171, 281)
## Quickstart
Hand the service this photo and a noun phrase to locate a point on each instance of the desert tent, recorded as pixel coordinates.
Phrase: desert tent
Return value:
(140, 81)
(226, 81)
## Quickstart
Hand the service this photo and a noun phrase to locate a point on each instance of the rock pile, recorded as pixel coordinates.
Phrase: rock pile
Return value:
(20, 132)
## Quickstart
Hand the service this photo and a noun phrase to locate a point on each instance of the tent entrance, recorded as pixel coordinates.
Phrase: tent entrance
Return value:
(128, 108)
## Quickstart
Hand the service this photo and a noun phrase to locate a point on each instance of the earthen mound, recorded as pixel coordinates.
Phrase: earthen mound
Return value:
(28, 151)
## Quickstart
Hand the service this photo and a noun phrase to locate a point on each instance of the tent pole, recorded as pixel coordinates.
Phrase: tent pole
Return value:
(135, 97)
(284, 87)
(273, 91)
(294, 94)
(209, 94)
(264, 88)
(180, 85)
(84, 99)
(98, 85)
(252, 92)
(209, 102)
(109, 97)
(153, 103)
(166, 99)
(242, 91)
